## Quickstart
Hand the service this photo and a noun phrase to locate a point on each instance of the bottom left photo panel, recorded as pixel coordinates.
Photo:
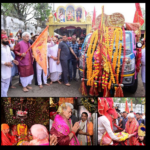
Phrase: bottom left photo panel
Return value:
(25, 121)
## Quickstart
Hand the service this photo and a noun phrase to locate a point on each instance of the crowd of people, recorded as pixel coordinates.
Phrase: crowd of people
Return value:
(66, 129)
(62, 60)
(39, 136)
(111, 122)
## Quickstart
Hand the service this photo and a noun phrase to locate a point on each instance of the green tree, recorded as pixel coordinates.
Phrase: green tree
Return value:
(26, 11)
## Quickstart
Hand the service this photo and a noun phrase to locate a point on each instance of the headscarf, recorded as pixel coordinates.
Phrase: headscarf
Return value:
(132, 128)
(3, 36)
(39, 131)
(4, 126)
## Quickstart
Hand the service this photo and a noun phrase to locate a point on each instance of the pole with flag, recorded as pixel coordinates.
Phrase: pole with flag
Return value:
(126, 107)
(131, 105)
(94, 18)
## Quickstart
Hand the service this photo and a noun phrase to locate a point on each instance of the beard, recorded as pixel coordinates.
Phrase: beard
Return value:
(5, 42)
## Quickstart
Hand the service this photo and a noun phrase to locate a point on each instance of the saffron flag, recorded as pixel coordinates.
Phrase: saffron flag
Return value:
(131, 105)
(39, 49)
(94, 18)
(126, 107)
(138, 17)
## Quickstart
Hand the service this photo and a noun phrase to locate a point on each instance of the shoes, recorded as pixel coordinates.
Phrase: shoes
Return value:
(75, 79)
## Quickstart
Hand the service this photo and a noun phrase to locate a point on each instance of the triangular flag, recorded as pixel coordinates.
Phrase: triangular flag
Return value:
(126, 107)
(85, 13)
(131, 106)
(94, 17)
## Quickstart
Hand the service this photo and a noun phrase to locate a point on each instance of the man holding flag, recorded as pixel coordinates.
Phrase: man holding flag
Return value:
(25, 66)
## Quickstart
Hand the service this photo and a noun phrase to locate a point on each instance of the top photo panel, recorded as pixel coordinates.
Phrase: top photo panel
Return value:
(73, 50)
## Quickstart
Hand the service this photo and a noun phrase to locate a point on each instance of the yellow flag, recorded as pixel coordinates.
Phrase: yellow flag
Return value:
(39, 49)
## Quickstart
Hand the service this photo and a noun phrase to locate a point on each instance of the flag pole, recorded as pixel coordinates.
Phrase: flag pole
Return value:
(34, 42)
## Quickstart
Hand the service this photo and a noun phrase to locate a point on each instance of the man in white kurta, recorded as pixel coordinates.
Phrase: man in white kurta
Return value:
(39, 69)
(55, 70)
(103, 126)
(6, 64)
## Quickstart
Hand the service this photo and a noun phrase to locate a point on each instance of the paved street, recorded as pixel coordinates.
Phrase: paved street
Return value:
(57, 90)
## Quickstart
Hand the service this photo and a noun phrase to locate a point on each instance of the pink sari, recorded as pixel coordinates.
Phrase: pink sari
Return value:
(62, 125)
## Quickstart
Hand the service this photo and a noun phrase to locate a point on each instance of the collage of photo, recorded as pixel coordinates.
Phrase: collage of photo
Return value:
(73, 74)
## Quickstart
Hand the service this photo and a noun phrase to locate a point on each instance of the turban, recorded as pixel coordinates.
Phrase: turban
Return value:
(69, 38)
(113, 112)
(39, 131)
(53, 113)
(4, 126)
(11, 34)
(3, 36)
(12, 40)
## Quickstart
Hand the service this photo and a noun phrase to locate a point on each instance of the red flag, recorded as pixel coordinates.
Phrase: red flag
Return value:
(94, 18)
(138, 17)
(131, 105)
(55, 14)
(85, 13)
(126, 107)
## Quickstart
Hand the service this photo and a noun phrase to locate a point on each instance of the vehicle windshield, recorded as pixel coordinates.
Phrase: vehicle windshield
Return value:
(85, 43)
(128, 44)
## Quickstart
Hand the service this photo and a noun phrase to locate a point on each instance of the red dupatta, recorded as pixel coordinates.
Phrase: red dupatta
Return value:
(130, 129)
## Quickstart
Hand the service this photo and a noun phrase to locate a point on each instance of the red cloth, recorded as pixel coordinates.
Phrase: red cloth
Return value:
(132, 128)
(138, 17)
(61, 138)
(3, 36)
(27, 70)
(7, 139)
(52, 113)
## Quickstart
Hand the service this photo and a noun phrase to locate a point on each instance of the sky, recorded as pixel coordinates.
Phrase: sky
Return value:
(127, 9)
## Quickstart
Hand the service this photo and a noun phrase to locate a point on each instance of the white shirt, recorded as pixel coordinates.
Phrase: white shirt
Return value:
(103, 126)
(5, 57)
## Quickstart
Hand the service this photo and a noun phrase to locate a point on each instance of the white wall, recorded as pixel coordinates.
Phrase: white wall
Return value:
(136, 108)
(14, 24)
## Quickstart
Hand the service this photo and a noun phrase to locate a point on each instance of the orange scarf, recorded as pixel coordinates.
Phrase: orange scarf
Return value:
(132, 128)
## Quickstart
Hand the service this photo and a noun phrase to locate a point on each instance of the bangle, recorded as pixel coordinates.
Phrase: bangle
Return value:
(73, 133)
(20, 54)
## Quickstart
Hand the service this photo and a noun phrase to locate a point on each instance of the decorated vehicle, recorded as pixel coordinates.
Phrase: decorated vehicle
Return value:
(130, 79)
(110, 58)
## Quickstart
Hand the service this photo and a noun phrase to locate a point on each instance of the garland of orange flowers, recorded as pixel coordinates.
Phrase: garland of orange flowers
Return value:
(90, 73)
(118, 69)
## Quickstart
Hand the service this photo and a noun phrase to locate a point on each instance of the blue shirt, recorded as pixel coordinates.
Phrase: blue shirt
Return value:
(140, 121)
(65, 51)
(124, 122)
(75, 48)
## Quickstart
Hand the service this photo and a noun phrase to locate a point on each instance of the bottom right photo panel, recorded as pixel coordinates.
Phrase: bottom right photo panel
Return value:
(121, 121)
